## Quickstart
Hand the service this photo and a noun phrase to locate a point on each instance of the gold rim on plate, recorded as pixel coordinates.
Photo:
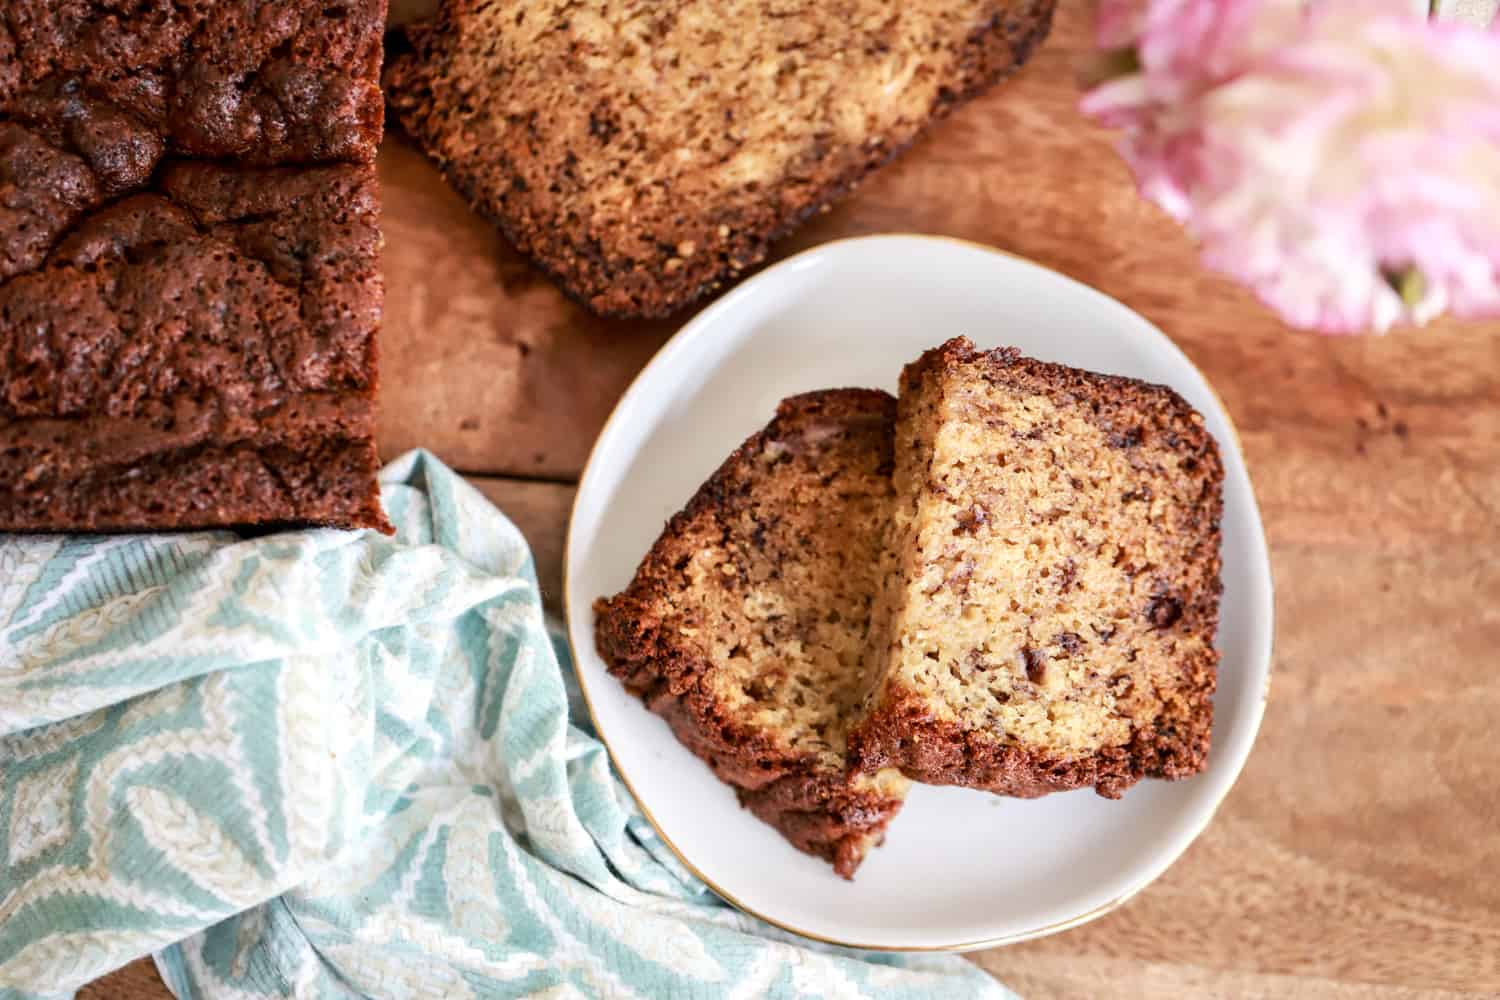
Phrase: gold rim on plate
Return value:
(964, 946)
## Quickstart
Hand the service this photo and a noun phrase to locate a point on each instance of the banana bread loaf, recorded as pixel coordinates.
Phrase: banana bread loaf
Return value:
(189, 264)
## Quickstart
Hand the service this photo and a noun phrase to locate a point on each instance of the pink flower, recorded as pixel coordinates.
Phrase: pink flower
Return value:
(1342, 157)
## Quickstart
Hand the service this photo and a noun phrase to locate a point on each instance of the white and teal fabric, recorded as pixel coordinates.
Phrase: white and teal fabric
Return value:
(332, 765)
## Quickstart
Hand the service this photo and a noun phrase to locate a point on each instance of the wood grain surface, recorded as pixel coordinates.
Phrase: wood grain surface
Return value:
(1359, 854)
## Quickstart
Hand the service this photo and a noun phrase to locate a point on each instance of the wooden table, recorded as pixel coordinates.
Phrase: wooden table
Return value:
(1359, 854)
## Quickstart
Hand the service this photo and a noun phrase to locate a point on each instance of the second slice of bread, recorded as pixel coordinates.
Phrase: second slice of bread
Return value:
(1051, 580)
(746, 623)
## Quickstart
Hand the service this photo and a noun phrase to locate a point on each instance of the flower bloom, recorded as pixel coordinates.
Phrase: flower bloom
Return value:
(1339, 157)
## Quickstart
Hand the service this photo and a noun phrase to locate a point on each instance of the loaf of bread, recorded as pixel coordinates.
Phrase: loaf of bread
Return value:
(189, 264)
(1050, 580)
(642, 153)
(745, 626)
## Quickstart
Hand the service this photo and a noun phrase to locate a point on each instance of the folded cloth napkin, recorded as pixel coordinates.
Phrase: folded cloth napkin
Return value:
(333, 764)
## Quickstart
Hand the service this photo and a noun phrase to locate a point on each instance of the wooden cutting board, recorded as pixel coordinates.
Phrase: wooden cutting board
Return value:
(1358, 855)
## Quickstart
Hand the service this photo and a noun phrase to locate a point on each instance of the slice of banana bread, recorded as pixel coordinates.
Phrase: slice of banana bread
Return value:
(641, 153)
(745, 626)
(1051, 580)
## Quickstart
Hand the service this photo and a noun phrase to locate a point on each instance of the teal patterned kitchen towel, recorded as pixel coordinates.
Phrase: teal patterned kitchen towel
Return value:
(331, 764)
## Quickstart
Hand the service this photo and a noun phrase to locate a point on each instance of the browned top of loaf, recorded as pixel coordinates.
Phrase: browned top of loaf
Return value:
(261, 81)
(1055, 613)
(227, 309)
(184, 344)
(93, 97)
(745, 624)
(643, 152)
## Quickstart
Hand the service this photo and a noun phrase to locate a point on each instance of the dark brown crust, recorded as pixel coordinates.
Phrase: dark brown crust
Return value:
(187, 344)
(903, 732)
(199, 357)
(823, 816)
(261, 81)
(588, 271)
(819, 812)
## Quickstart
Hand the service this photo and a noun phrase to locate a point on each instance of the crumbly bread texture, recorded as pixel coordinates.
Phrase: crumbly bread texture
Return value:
(641, 152)
(185, 343)
(1051, 580)
(745, 626)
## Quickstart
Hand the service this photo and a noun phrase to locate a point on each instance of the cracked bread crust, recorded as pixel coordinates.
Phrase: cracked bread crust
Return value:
(94, 97)
(188, 344)
(260, 81)
(745, 633)
(642, 154)
(198, 356)
(1005, 698)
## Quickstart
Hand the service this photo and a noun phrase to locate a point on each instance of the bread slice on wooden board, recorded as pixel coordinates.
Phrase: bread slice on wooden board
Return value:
(643, 152)
(1051, 580)
(745, 626)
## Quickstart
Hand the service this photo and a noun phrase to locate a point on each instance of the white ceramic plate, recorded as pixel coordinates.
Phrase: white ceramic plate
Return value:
(959, 869)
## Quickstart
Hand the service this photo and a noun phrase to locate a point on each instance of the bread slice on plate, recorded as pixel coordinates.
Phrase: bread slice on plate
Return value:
(745, 626)
(642, 153)
(1051, 580)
